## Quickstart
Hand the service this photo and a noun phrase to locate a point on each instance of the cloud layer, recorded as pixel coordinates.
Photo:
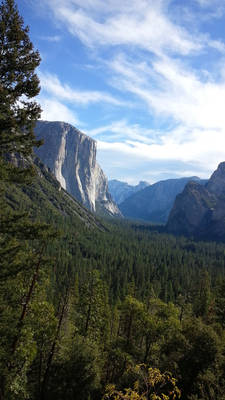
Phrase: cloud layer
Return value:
(157, 58)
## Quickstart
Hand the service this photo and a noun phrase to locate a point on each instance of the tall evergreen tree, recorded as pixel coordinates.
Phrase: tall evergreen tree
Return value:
(22, 241)
(18, 85)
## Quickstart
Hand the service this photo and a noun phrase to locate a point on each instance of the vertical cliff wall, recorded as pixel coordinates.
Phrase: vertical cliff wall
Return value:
(71, 156)
(199, 211)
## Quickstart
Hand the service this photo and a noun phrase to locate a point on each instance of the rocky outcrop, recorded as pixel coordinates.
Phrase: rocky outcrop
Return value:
(120, 191)
(154, 203)
(103, 200)
(71, 156)
(216, 183)
(190, 208)
(199, 211)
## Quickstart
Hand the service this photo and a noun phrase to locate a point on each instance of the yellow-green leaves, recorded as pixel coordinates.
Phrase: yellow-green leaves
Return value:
(150, 384)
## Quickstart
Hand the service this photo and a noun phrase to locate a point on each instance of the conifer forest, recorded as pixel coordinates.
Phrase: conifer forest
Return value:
(93, 308)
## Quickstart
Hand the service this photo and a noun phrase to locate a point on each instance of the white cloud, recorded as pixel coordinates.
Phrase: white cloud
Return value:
(199, 155)
(51, 84)
(205, 3)
(189, 102)
(208, 3)
(172, 90)
(144, 24)
(212, 8)
(53, 110)
(196, 106)
(198, 147)
(122, 130)
(55, 38)
(217, 45)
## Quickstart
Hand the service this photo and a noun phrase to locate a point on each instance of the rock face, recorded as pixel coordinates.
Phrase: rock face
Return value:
(216, 183)
(154, 202)
(199, 211)
(120, 191)
(71, 156)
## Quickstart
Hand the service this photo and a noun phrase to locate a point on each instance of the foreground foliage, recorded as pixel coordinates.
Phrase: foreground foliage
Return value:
(115, 298)
(151, 384)
(84, 309)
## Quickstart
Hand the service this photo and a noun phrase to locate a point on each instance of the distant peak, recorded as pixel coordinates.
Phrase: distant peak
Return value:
(220, 171)
(143, 183)
(194, 178)
(221, 166)
(216, 183)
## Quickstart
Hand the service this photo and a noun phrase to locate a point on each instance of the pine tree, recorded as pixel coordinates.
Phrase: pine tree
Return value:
(18, 85)
(23, 242)
(18, 114)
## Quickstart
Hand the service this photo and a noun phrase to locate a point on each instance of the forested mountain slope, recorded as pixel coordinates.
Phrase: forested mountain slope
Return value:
(155, 201)
(115, 295)
(44, 198)
(199, 211)
(92, 310)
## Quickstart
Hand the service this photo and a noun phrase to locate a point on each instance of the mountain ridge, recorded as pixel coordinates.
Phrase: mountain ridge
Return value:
(154, 203)
(199, 211)
(120, 190)
(45, 198)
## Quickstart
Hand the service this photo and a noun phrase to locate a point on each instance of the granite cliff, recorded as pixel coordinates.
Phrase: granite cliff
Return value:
(155, 201)
(199, 211)
(71, 156)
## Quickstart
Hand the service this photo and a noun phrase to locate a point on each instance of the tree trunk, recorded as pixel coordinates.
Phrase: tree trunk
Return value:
(52, 351)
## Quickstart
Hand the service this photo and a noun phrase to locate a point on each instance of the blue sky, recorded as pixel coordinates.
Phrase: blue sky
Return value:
(144, 78)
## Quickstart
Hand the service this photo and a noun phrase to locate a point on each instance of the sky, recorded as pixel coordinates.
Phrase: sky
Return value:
(144, 78)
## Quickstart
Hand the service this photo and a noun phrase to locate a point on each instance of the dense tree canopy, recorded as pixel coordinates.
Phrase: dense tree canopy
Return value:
(111, 309)
(22, 241)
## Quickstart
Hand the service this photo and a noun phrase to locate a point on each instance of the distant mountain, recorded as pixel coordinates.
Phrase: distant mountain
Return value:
(122, 190)
(155, 202)
(199, 211)
(71, 156)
